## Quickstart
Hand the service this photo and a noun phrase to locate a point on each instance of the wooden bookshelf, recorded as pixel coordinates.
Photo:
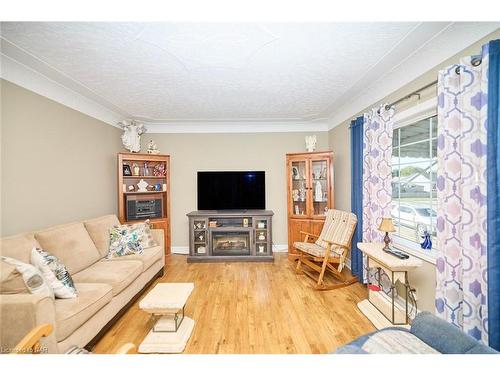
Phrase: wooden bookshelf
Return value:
(124, 182)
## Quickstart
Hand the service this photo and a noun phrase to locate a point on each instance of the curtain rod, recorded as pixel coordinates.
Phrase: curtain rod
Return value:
(416, 92)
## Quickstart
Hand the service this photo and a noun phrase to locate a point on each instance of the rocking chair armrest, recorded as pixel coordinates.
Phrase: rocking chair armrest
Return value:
(336, 244)
(309, 234)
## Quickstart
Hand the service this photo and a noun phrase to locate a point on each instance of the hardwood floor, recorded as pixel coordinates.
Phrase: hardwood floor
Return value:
(241, 308)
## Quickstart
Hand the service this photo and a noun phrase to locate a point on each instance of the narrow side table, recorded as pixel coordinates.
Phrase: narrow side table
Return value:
(380, 308)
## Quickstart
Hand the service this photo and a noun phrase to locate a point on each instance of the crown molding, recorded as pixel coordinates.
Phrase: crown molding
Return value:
(432, 45)
(267, 126)
(21, 75)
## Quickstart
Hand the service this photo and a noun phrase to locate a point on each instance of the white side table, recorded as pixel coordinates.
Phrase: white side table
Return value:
(379, 308)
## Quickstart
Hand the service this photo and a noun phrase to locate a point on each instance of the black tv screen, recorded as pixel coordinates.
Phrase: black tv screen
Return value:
(232, 190)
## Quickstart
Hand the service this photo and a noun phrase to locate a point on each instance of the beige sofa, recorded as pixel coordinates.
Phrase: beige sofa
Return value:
(104, 286)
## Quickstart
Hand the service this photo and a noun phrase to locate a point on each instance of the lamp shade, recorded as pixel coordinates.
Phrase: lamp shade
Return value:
(386, 225)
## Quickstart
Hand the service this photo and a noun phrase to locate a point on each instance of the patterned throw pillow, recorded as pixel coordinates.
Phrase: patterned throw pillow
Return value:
(130, 239)
(124, 240)
(31, 277)
(54, 271)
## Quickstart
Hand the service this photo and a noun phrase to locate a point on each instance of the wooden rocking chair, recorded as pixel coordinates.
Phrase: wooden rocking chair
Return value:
(330, 250)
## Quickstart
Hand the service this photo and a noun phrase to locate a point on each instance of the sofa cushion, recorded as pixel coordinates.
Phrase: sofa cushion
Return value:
(73, 313)
(117, 274)
(19, 246)
(148, 257)
(72, 244)
(98, 229)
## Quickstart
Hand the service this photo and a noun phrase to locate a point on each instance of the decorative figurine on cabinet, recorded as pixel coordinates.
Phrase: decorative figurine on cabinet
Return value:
(310, 143)
(136, 169)
(131, 137)
(146, 169)
(318, 192)
(427, 244)
(159, 170)
(152, 148)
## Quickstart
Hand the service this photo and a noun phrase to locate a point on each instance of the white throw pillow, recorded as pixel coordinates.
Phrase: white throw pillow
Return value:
(54, 271)
(32, 277)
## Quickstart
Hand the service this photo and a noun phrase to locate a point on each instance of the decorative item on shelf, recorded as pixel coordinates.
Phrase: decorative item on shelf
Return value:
(159, 170)
(297, 212)
(386, 226)
(150, 188)
(136, 170)
(262, 236)
(199, 225)
(295, 195)
(201, 250)
(317, 174)
(323, 172)
(295, 173)
(157, 187)
(310, 143)
(126, 170)
(326, 209)
(261, 225)
(152, 148)
(142, 186)
(212, 224)
(318, 192)
(302, 192)
(131, 137)
(146, 169)
(261, 248)
(427, 244)
(131, 188)
(201, 237)
(245, 222)
(164, 187)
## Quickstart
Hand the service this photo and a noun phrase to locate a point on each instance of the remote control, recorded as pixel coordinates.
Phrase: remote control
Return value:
(397, 253)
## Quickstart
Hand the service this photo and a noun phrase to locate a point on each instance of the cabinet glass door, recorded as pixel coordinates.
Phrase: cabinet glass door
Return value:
(320, 186)
(299, 187)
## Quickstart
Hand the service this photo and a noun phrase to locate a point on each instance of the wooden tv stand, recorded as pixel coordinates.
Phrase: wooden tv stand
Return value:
(230, 236)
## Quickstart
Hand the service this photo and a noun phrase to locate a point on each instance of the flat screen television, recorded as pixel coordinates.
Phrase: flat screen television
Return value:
(232, 190)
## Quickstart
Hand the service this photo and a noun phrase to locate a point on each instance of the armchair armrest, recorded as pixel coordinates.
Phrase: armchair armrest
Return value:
(22, 312)
(159, 237)
(336, 244)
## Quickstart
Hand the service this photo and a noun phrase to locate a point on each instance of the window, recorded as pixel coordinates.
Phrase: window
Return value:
(414, 167)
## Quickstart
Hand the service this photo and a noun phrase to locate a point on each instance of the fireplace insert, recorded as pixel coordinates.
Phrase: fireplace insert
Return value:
(231, 243)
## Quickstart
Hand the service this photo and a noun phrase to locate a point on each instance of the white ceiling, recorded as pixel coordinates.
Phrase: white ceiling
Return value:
(169, 73)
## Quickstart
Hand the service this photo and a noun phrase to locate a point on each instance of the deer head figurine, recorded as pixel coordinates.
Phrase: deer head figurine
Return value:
(131, 137)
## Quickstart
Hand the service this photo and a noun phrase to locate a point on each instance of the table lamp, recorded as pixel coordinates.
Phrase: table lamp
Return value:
(386, 226)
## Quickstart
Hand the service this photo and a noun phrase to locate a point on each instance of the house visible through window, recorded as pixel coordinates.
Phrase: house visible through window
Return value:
(414, 167)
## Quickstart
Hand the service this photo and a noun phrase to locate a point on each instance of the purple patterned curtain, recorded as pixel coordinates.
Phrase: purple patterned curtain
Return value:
(377, 176)
(461, 193)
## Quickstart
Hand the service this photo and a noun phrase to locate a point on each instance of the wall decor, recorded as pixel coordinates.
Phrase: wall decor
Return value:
(131, 137)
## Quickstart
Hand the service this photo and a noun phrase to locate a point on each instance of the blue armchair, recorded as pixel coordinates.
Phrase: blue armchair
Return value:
(428, 334)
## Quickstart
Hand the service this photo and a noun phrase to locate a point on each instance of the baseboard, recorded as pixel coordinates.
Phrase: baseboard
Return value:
(283, 248)
(184, 250)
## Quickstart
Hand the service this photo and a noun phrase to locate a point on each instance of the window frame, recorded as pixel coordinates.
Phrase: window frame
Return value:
(406, 117)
